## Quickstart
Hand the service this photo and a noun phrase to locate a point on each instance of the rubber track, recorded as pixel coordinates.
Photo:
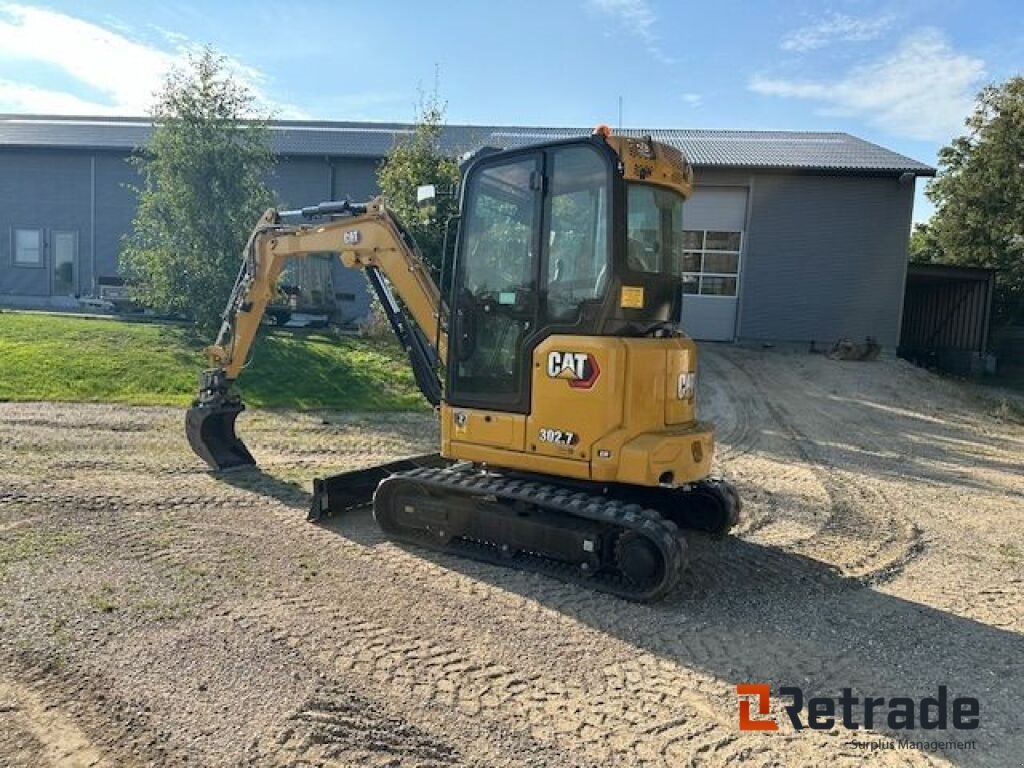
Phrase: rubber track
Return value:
(663, 533)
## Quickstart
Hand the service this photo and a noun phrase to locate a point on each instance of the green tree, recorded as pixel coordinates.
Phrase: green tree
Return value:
(420, 160)
(203, 188)
(979, 194)
(924, 246)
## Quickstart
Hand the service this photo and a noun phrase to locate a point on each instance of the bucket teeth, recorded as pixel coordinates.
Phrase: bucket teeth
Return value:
(211, 433)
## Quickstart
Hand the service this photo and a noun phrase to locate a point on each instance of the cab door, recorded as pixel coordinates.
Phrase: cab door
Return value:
(495, 291)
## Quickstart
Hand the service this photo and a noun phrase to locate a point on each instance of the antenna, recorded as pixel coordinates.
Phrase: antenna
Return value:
(620, 113)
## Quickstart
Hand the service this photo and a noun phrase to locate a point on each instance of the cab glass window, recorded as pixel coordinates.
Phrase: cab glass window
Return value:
(495, 304)
(498, 257)
(577, 235)
(654, 229)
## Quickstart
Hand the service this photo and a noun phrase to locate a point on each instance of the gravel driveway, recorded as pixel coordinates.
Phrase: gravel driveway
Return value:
(151, 613)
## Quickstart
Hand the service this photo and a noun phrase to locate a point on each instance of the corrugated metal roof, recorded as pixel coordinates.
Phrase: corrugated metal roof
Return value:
(788, 150)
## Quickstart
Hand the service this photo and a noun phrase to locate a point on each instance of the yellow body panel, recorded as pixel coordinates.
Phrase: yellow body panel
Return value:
(491, 428)
(525, 462)
(603, 408)
(653, 162)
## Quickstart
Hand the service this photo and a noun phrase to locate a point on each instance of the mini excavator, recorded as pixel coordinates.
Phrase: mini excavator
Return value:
(565, 390)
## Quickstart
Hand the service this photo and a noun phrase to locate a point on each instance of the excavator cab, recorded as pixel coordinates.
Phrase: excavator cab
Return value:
(554, 241)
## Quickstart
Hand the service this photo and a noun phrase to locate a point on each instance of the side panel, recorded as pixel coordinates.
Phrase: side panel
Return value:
(578, 386)
(490, 428)
(604, 408)
(825, 258)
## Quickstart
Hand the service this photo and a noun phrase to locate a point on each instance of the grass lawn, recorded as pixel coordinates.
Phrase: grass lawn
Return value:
(50, 357)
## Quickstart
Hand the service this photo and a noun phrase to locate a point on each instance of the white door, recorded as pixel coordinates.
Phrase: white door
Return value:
(65, 263)
(713, 221)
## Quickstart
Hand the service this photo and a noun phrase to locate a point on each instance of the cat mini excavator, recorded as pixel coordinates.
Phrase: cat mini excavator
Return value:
(565, 391)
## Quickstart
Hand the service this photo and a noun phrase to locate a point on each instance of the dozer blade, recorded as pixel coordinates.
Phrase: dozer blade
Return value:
(211, 433)
(349, 490)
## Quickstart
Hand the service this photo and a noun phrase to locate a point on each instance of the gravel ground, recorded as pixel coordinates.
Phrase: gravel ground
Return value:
(153, 614)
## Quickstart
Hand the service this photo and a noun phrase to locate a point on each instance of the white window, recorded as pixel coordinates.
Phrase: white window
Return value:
(28, 247)
(711, 262)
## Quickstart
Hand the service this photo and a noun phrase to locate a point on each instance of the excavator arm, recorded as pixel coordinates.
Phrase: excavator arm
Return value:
(364, 236)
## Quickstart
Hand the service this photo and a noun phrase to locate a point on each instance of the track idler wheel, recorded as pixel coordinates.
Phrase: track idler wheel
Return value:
(210, 430)
(638, 559)
(711, 505)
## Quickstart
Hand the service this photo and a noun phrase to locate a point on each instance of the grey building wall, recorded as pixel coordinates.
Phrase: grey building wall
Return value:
(301, 181)
(307, 181)
(719, 177)
(353, 179)
(825, 258)
(47, 190)
(92, 193)
(116, 201)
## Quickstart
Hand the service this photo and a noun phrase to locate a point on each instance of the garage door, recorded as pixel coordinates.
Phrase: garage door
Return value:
(712, 261)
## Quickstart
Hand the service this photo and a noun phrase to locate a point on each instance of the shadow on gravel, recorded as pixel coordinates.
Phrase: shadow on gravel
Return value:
(747, 613)
(255, 480)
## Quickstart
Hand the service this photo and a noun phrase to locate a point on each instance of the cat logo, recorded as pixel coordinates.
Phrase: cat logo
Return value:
(580, 369)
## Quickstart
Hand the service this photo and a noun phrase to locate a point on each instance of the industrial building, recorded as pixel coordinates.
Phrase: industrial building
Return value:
(790, 236)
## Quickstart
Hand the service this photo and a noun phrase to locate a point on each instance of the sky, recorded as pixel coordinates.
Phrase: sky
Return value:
(900, 74)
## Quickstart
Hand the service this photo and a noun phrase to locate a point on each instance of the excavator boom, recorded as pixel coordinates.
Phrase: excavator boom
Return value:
(364, 236)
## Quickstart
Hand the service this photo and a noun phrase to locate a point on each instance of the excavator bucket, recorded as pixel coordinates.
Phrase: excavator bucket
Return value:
(211, 433)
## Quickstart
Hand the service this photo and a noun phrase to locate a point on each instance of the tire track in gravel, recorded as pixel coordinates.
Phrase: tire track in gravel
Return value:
(336, 726)
(76, 717)
(732, 412)
(858, 512)
(598, 722)
(488, 684)
(606, 723)
(61, 743)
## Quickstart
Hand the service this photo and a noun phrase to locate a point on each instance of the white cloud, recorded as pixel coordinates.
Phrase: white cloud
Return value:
(693, 99)
(22, 97)
(120, 74)
(835, 28)
(924, 89)
(639, 20)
